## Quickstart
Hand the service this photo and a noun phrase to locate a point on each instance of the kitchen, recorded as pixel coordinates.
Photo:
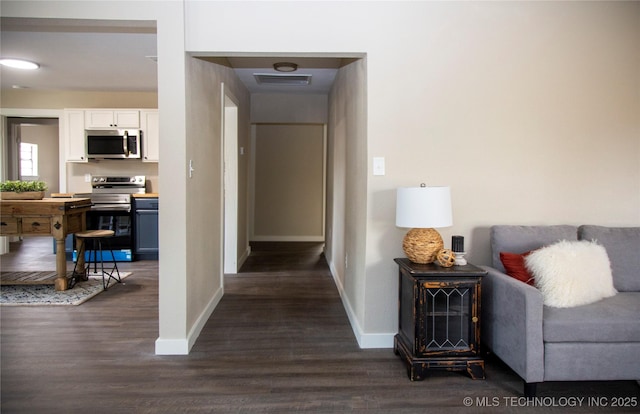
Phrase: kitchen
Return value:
(116, 155)
(115, 145)
(96, 91)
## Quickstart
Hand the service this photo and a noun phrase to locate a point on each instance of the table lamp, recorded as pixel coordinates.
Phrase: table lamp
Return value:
(423, 209)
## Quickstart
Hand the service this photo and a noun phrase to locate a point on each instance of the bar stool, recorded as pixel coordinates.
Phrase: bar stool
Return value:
(96, 237)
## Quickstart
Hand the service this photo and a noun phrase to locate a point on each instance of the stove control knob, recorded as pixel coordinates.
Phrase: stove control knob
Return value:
(102, 179)
(133, 179)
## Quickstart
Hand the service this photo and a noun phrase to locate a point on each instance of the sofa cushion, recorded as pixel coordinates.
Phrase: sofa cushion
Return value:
(520, 239)
(623, 248)
(571, 273)
(613, 319)
(514, 266)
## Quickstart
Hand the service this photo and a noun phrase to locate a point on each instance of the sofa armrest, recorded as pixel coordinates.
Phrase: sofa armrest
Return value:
(512, 323)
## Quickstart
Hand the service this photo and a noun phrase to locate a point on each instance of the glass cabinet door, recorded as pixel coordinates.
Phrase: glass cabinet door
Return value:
(447, 318)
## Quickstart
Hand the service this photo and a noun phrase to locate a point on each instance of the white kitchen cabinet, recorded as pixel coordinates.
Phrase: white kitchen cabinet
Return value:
(106, 118)
(149, 124)
(74, 140)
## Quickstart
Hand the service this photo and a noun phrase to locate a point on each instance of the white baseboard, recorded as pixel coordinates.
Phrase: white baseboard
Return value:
(4, 245)
(365, 340)
(244, 257)
(182, 346)
(287, 238)
(172, 346)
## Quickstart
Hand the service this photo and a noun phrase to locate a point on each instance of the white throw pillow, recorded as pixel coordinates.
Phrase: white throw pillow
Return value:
(571, 273)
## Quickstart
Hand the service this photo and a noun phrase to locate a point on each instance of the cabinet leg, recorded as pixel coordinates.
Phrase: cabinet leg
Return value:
(475, 369)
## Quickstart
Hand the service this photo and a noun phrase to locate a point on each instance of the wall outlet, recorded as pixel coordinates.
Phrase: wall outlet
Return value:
(87, 178)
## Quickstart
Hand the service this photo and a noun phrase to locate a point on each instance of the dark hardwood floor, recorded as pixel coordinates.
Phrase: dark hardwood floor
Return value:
(278, 342)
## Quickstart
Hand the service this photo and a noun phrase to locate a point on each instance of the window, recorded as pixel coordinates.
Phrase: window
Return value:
(28, 160)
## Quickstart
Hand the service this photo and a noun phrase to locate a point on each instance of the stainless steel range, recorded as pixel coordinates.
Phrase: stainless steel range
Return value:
(111, 210)
(114, 193)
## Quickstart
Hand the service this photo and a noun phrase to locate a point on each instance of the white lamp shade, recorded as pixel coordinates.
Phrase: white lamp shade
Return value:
(423, 207)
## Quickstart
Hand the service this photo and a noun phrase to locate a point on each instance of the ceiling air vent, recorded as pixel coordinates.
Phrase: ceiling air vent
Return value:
(282, 79)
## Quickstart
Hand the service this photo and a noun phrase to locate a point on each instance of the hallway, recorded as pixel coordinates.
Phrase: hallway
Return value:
(284, 256)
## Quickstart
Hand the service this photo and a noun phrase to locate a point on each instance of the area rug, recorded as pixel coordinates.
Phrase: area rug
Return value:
(30, 295)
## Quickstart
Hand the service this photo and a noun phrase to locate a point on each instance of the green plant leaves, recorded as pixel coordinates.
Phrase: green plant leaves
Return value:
(23, 186)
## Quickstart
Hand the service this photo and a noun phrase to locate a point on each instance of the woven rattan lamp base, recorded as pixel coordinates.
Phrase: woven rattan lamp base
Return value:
(422, 245)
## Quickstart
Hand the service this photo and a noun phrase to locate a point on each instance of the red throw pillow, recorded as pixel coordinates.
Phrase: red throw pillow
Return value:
(514, 265)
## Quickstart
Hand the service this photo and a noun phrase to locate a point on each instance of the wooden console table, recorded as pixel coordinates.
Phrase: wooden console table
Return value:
(55, 217)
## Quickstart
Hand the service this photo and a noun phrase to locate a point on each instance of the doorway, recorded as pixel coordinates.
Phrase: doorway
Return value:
(230, 174)
(32, 148)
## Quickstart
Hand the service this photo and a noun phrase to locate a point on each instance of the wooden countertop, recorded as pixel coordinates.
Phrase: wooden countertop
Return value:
(69, 195)
(55, 206)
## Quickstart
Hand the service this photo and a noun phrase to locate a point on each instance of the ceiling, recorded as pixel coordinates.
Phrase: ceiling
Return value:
(95, 55)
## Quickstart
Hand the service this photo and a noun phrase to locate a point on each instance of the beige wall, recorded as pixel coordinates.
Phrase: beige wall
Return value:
(38, 99)
(528, 110)
(46, 138)
(288, 108)
(289, 182)
(205, 187)
(346, 189)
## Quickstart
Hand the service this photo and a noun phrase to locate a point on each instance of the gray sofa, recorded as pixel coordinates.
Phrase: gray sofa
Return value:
(598, 341)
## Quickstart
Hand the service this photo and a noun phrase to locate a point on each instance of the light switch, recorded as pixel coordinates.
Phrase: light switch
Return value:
(378, 165)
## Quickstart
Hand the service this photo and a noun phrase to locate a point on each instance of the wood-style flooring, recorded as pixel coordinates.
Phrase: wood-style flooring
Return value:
(278, 342)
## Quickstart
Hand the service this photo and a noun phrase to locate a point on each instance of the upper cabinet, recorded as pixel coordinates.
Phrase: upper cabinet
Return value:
(74, 141)
(105, 118)
(150, 135)
(76, 121)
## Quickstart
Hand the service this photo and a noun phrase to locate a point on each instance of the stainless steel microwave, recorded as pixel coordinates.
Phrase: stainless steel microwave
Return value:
(113, 143)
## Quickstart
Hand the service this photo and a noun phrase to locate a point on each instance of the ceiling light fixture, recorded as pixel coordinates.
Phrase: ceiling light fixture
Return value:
(285, 67)
(19, 64)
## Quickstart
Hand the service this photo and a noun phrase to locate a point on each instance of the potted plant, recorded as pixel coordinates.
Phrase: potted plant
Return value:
(22, 190)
